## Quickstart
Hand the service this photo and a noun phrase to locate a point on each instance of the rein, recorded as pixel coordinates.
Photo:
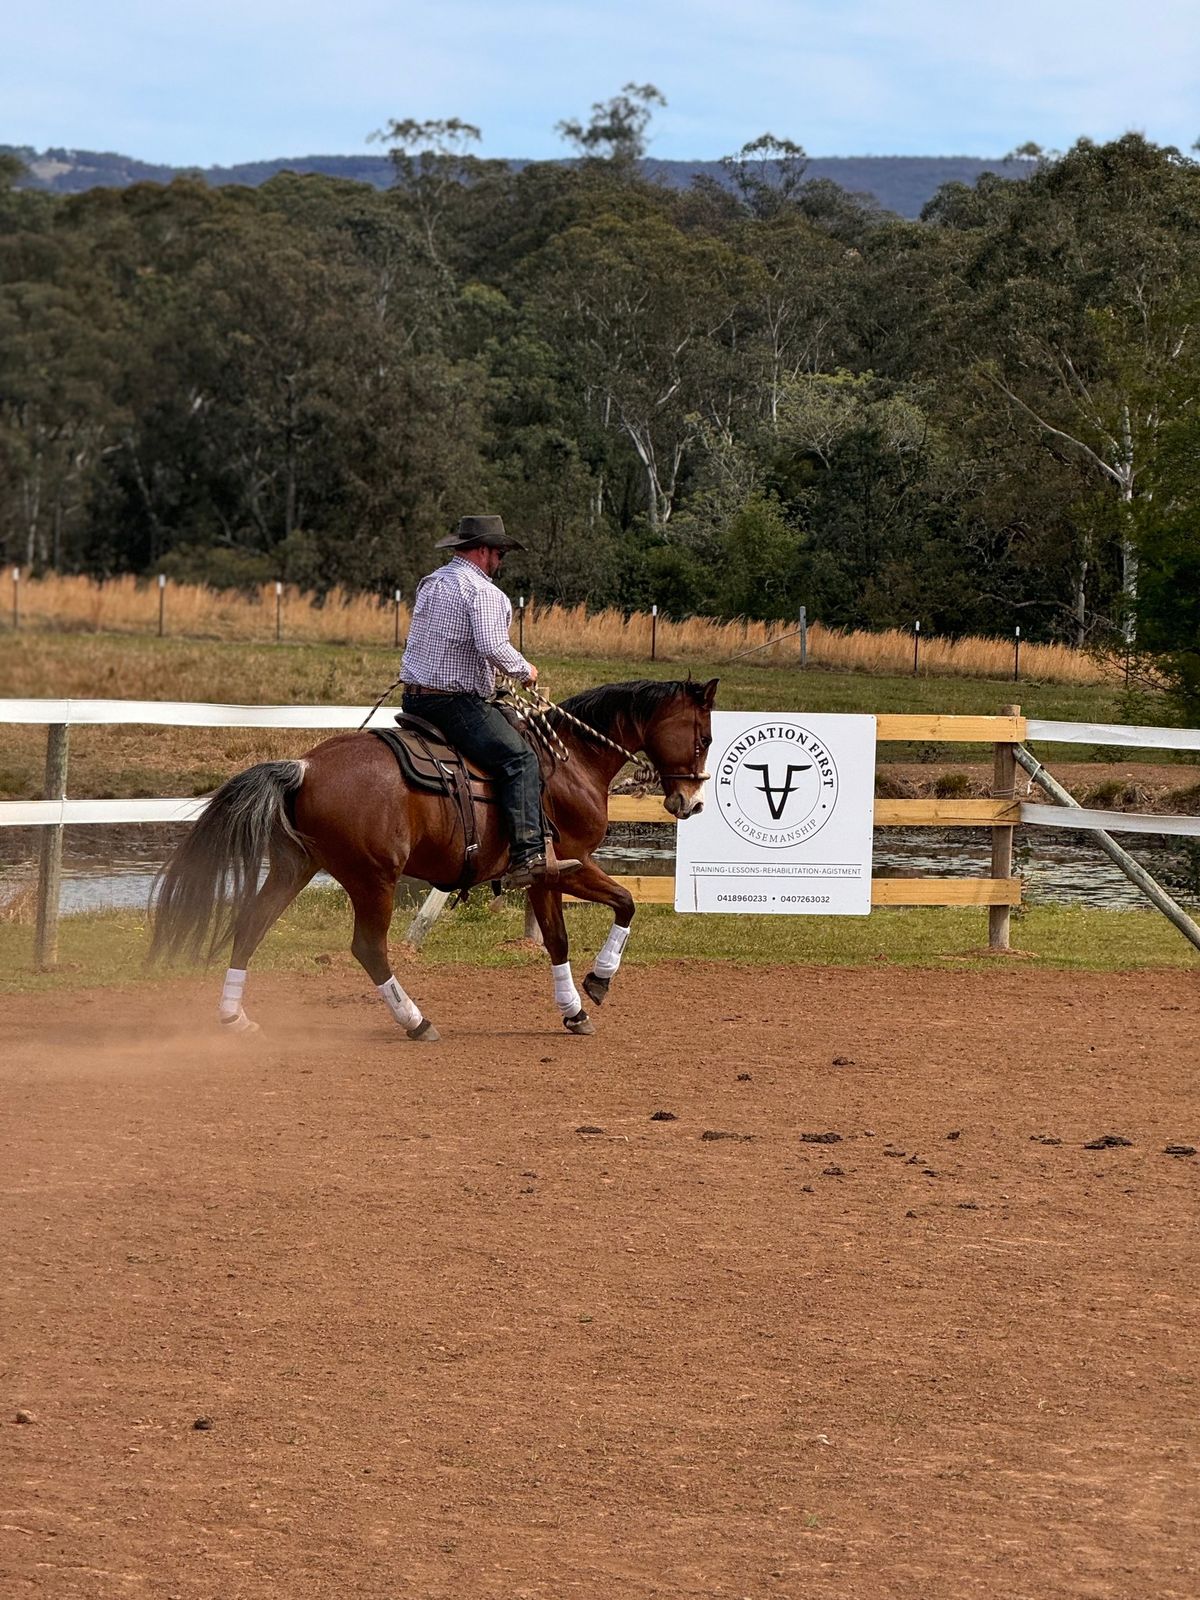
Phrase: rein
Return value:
(395, 684)
(533, 707)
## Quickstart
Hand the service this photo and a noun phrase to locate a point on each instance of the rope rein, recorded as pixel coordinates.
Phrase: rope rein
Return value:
(534, 709)
(395, 684)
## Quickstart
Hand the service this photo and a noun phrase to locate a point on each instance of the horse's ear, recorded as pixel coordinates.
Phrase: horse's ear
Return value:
(708, 693)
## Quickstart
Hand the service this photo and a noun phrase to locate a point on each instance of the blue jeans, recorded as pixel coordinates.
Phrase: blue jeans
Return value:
(486, 737)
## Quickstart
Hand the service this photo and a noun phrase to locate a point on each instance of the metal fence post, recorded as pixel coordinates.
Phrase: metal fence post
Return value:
(16, 602)
(162, 601)
(653, 633)
(916, 646)
(396, 620)
(803, 636)
(521, 623)
(278, 610)
(45, 943)
(1017, 656)
(1004, 787)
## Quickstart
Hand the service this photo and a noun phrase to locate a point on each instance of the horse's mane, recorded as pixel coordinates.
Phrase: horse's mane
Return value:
(600, 707)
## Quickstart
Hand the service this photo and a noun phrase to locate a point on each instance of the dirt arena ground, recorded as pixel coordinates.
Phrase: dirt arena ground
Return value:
(467, 1321)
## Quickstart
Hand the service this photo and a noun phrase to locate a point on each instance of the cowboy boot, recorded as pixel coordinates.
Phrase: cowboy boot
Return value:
(539, 868)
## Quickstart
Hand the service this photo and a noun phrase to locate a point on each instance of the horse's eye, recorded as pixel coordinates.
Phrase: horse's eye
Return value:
(705, 742)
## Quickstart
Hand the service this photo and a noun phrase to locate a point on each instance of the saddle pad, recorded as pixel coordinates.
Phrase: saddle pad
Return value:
(426, 762)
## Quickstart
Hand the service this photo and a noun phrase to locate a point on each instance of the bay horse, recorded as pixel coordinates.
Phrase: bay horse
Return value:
(344, 807)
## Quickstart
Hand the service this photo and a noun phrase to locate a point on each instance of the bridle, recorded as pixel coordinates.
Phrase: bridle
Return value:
(699, 776)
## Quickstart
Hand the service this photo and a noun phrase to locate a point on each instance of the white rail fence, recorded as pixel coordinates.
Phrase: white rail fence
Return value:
(56, 811)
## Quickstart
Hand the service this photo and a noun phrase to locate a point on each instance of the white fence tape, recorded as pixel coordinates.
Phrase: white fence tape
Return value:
(1124, 734)
(187, 714)
(50, 813)
(1108, 821)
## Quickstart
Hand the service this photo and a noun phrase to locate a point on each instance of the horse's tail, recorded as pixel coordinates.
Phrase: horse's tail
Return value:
(214, 873)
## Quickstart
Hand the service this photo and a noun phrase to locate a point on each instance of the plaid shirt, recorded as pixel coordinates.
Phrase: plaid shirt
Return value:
(459, 633)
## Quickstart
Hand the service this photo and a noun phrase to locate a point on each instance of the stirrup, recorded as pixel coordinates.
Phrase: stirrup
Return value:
(555, 866)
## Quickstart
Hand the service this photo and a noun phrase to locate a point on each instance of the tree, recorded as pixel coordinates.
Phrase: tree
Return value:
(1081, 315)
(766, 174)
(62, 347)
(799, 299)
(1168, 541)
(617, 131)
(432, 162)
(646, 314)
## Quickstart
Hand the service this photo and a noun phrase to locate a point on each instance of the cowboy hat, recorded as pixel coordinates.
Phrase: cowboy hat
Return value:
(475, 531)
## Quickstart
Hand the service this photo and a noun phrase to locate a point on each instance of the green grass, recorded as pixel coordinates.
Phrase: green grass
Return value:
(108, 949)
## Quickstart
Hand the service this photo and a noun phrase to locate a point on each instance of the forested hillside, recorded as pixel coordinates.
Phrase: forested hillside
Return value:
(734, 399)
(903, 184)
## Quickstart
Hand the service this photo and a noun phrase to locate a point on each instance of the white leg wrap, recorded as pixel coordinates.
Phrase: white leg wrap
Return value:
(609, 959)
(405, 1011)
(566, 995)
(231, 994)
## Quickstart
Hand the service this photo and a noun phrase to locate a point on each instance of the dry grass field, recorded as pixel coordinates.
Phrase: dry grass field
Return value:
(131, 605)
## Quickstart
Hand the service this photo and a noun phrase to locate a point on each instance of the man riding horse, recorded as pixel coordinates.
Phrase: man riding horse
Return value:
(346, 808)
(457, 643)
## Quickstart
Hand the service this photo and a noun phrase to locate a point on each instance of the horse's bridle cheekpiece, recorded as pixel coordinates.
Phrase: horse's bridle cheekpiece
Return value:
(474, 531)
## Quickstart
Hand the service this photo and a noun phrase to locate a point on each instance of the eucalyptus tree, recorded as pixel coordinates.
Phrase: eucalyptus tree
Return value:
(766, 174)
(617, 130)
(61, 339)
(1080, 302)
(1168, 540)
(648, 316)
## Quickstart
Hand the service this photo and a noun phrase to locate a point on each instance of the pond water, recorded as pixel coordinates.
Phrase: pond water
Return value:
(114, 868)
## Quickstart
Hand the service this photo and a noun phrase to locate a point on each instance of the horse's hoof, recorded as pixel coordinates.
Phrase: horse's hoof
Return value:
(424, 1032)
(239, 1024)
(579, 1023)
(596, 988)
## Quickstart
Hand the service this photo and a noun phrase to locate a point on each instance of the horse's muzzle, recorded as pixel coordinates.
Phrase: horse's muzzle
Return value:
(682, 806)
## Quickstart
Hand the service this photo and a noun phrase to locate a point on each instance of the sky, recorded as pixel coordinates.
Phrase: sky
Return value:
(203, 82)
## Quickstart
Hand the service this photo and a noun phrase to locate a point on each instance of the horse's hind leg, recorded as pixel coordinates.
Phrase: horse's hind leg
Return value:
(287, 874)
(546, 901)
(373, 902)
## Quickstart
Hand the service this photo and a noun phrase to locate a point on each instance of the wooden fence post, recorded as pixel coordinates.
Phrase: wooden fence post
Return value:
(1004, 783)
(45, 944)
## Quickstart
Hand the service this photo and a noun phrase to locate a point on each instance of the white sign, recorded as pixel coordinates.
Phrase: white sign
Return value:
(787, 820)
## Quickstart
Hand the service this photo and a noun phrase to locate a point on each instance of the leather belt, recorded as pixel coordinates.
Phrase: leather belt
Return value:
(420, 688)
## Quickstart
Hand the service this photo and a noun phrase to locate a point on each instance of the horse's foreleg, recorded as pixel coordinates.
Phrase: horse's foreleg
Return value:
(373, 903)
(590, 883)
(546, 901)
(289, 872)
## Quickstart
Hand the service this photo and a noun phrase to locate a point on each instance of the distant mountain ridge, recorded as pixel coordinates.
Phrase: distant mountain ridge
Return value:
(899, 183)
